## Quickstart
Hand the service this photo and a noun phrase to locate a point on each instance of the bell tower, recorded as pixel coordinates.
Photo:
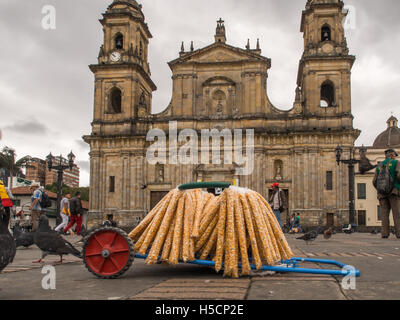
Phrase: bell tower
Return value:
(325, 67)
(123, 85)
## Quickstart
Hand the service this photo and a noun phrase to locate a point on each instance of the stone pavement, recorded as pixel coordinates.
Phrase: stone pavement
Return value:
(378, 260)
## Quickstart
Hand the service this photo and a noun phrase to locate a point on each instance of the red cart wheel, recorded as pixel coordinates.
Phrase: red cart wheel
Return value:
(108, 253)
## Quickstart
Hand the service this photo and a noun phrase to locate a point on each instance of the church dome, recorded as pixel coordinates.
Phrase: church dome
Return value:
(390, 138)
(130, 5)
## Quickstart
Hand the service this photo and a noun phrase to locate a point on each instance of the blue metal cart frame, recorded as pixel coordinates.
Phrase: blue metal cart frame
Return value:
(292, 266)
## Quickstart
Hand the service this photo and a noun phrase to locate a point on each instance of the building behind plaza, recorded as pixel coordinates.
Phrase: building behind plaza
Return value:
(222, 87)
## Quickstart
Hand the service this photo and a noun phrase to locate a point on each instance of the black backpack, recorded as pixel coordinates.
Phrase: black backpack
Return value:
(384, 181)
(45, 202)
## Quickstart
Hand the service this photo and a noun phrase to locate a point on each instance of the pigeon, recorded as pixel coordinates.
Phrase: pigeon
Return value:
(22, 239)
(7, 244)
(310, 236)
(328, 234)
(51, 242)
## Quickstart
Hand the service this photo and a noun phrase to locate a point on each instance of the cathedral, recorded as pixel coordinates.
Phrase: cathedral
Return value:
(222, 87)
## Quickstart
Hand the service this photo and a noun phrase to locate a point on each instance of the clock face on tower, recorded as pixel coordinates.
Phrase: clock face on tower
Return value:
(115, 56)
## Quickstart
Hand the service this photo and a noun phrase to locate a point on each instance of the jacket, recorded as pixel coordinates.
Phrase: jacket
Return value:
(282, 200)
(75, 206)
(395, 190)
(6, 196)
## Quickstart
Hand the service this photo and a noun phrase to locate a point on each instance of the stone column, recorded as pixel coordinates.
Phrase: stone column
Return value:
(252, 80)
(258, 92)
(125, 177)
(247, 103)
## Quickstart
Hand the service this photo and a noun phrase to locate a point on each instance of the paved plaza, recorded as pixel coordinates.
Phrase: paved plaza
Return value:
(377, 259)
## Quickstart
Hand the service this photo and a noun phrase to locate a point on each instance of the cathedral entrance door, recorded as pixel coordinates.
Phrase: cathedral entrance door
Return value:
(330, 220)
(156, 197)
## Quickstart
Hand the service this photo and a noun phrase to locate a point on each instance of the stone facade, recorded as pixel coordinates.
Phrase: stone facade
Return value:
(222, 87)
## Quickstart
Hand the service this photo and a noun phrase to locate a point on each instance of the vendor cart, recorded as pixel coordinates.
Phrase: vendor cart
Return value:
(108, 252)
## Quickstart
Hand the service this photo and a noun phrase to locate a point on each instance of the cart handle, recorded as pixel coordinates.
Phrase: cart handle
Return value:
(204, 185)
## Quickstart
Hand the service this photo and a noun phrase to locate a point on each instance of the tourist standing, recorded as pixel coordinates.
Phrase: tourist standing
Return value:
(278, 202)
(35, 207)
(389, 201)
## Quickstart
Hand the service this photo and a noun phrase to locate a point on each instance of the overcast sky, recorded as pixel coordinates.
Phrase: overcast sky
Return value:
(46, 88)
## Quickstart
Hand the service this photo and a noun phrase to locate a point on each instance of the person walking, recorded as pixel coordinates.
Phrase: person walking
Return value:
(389, 201)
(278, 202)
(292, 221)
(64, 212)
(298, 220)
(35, 207)
(75, 206)
(6, 199)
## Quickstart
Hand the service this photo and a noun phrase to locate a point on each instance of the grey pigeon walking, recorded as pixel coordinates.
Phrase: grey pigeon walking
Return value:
(310, 236)
(51, 242)
(22, 239)
(7, 244)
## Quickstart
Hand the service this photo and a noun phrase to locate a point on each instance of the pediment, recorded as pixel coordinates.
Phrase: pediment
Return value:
(219, 53)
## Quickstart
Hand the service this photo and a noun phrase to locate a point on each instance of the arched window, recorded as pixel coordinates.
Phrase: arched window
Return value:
(326, 33)
(119, 41)
(115, 100)
(327, 94)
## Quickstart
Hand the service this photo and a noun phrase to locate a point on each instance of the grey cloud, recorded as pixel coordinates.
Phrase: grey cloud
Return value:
(28, 127)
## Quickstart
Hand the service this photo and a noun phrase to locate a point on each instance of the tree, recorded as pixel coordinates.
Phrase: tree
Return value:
(66, 189)
(8, 161)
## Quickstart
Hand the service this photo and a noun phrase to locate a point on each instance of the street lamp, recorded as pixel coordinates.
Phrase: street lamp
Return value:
(60, 167)
(71, 159)
(350, 162)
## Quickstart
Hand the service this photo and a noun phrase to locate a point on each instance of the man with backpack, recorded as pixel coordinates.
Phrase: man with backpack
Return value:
(45, 202)
(387, 183)
(35, 207)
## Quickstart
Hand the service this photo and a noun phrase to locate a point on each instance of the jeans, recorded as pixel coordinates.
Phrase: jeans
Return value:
(64, 223)
(278, 216)
(78, 221)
